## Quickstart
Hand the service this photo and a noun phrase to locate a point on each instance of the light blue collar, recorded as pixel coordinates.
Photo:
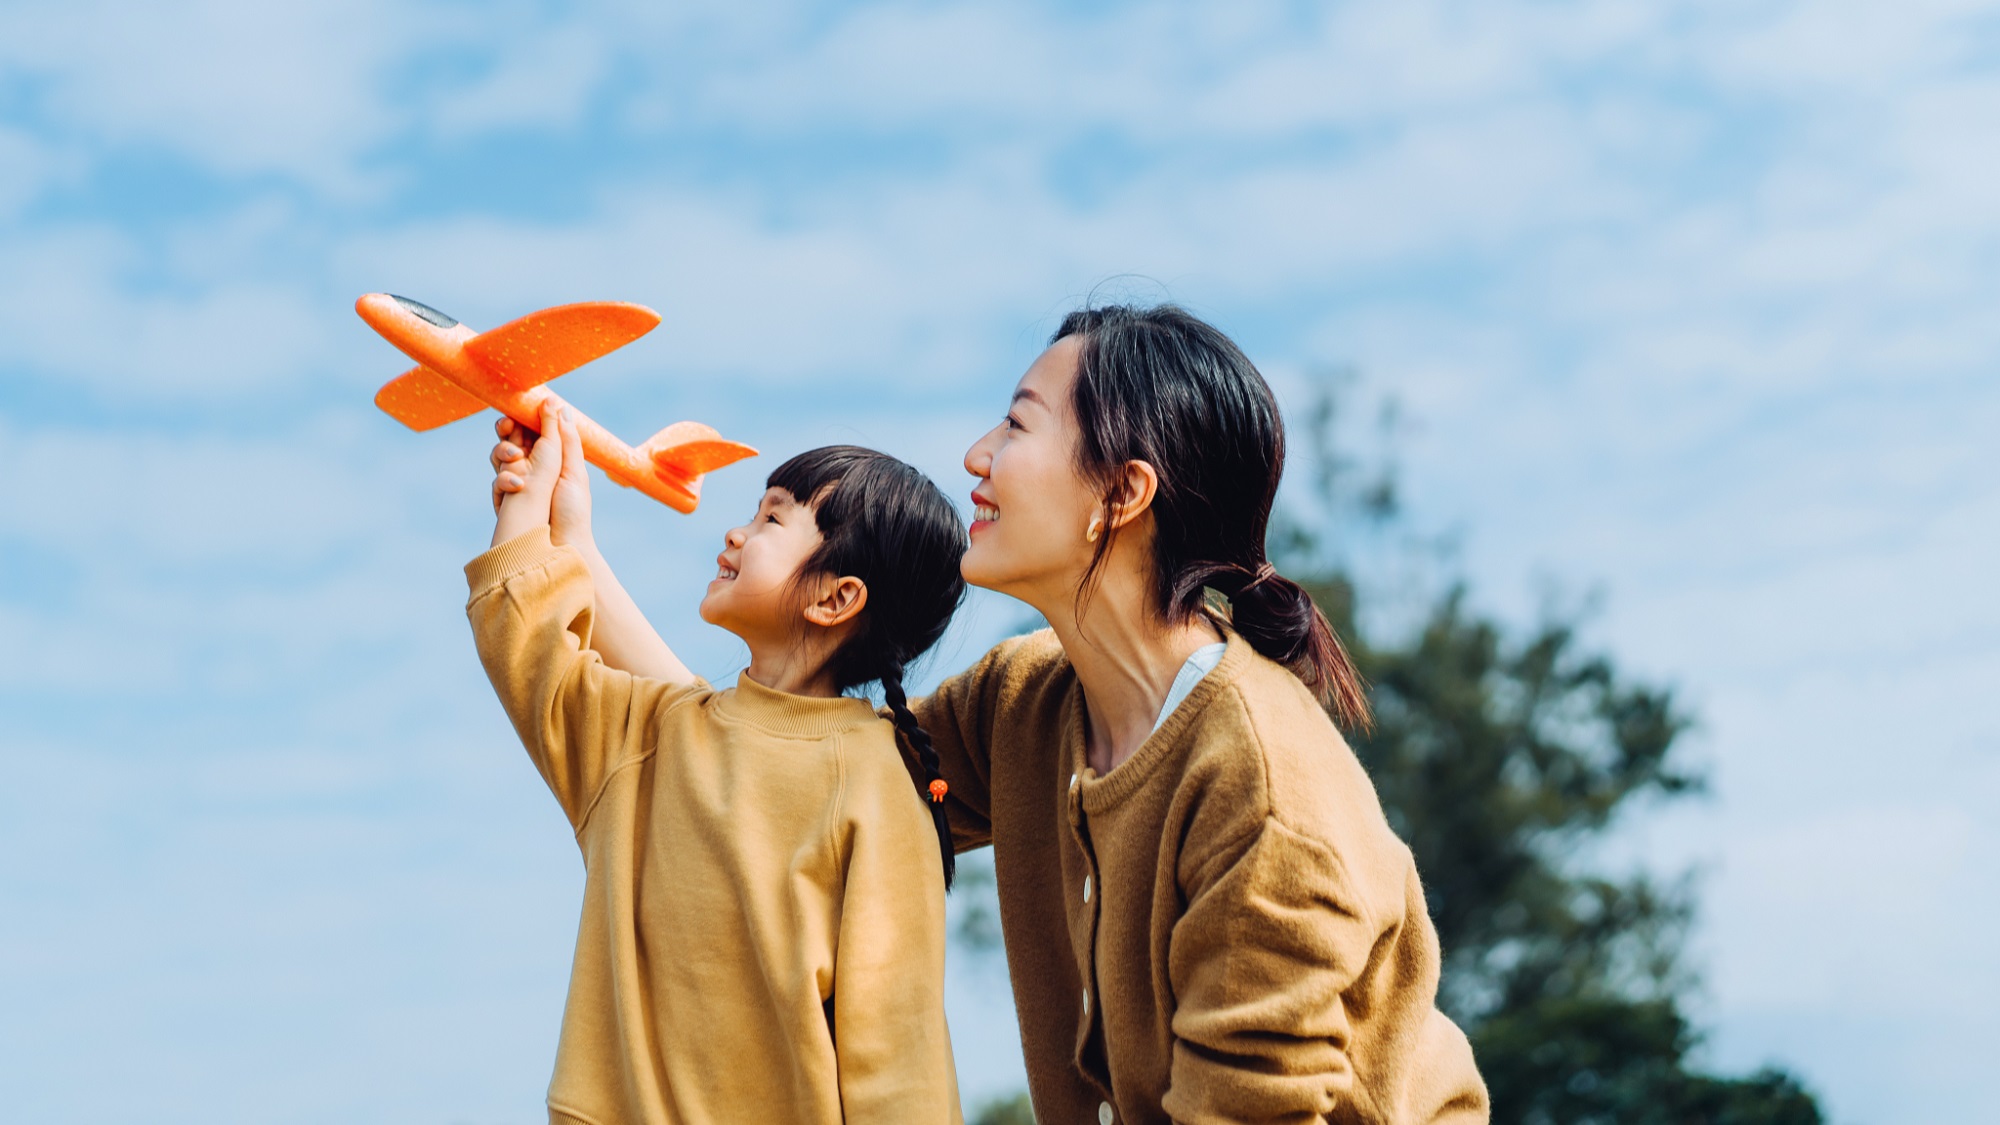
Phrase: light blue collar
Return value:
(1200, 663)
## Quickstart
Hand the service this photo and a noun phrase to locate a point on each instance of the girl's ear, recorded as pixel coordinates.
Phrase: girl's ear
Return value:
(840, 600)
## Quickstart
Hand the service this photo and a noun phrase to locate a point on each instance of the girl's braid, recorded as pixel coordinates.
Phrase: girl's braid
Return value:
(927, 757)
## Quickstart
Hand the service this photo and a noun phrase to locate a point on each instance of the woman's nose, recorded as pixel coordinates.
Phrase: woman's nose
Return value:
(979, 459)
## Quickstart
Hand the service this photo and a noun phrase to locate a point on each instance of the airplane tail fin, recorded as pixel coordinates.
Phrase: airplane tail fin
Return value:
(682, 452)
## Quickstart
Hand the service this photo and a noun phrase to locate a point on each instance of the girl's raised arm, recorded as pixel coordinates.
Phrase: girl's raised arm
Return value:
(550, 486)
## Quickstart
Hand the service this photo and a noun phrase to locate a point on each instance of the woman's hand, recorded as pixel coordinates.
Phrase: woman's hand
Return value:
(510, 458)
(564, 502)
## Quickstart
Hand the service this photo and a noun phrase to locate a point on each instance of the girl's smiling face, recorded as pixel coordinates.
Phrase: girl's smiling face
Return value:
(1032, 510)
(752, 594)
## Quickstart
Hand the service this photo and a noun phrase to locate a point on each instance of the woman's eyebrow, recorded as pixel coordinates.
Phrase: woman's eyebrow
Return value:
(1031, 396)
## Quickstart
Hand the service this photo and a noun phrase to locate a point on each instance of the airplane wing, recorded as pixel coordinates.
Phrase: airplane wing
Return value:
(422, 399)
(542, 345)
(691, 449)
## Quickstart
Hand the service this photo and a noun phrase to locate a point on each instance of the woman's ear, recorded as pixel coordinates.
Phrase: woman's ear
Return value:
(1134, 492)
(840, 600)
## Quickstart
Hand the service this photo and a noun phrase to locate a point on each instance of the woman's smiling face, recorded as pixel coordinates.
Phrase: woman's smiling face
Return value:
(1031, 509)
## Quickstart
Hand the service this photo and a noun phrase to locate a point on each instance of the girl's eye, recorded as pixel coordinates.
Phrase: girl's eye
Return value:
(771, 518)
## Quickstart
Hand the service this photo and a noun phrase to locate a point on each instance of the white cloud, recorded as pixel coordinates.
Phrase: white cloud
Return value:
(1877, 869)
(27, 166)
(69, 312)
(1834, 53)
(290, 88)
(543, 79)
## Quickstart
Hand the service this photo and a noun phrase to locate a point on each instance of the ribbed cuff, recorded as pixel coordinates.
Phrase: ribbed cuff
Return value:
(524, 552)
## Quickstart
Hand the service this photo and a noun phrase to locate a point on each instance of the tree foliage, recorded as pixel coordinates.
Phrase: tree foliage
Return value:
(1014, 1109)
(1503, 757)
(1500, 762)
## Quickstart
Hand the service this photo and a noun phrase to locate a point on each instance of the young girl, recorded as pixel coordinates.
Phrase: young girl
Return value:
(763, 919)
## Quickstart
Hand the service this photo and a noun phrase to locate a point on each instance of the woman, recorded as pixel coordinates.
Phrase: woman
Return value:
(1207, 917)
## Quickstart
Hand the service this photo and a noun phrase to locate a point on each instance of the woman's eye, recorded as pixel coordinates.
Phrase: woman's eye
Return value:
(1013, 423)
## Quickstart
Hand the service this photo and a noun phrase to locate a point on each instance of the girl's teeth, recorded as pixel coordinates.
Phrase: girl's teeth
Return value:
(985, 512)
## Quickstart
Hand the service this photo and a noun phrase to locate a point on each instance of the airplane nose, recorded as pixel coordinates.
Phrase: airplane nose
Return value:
(425, 311)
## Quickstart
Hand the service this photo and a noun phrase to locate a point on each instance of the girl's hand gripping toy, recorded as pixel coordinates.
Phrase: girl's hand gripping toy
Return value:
(460, 372)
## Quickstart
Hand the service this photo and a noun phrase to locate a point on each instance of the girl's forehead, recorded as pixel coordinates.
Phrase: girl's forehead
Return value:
(777, 498)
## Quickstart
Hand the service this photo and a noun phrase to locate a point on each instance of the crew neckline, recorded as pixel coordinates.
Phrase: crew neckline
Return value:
(800, 716)
(1100, 792)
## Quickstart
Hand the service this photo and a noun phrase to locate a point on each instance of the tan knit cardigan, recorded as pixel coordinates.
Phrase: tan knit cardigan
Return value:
(1223, 928)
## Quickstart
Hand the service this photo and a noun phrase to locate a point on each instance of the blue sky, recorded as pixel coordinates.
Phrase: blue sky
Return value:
(1690, 303)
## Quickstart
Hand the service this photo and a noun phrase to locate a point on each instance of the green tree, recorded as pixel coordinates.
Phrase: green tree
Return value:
(1500, 761)
(1014, 1109)
(1502, 757)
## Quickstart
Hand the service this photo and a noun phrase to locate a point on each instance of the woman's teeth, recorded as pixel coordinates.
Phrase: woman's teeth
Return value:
(985, 512)
(724, 572)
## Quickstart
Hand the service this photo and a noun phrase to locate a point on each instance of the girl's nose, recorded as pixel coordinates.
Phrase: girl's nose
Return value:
(736, 538)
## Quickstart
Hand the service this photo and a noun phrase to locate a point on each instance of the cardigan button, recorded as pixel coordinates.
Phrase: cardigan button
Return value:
(1086, 1001)
(1074, 781)
(1104, 1116)
(1086, 890)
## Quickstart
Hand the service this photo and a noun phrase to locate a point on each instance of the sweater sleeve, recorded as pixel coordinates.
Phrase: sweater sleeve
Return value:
(959, 717)
(1272, 937)
(890, 1040)
(531, 609)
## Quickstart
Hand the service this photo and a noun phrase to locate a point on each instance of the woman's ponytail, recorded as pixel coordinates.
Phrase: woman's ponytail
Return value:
(927, 758)
(1280, 620)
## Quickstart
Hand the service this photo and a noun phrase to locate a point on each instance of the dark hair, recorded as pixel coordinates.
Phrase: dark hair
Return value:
(887, 524)
(1162, 386)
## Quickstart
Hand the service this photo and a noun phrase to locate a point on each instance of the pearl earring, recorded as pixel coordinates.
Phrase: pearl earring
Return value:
(1090, 536)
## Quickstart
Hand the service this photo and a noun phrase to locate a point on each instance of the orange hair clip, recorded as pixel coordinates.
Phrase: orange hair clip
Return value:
(939, 789)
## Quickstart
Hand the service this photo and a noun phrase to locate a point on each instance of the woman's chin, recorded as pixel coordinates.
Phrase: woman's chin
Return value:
(976, 567)
(988, 569)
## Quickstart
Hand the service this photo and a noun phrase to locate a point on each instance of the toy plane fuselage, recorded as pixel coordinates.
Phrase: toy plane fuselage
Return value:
(459, 372)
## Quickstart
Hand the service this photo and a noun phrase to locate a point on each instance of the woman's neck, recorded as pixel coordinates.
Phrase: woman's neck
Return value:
(1126, 659)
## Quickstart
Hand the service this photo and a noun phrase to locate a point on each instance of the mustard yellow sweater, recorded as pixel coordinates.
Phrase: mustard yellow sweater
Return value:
(763, 909)
(1221, 929)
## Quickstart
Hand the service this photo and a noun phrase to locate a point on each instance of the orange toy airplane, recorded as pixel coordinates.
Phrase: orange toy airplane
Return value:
(460, 372)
